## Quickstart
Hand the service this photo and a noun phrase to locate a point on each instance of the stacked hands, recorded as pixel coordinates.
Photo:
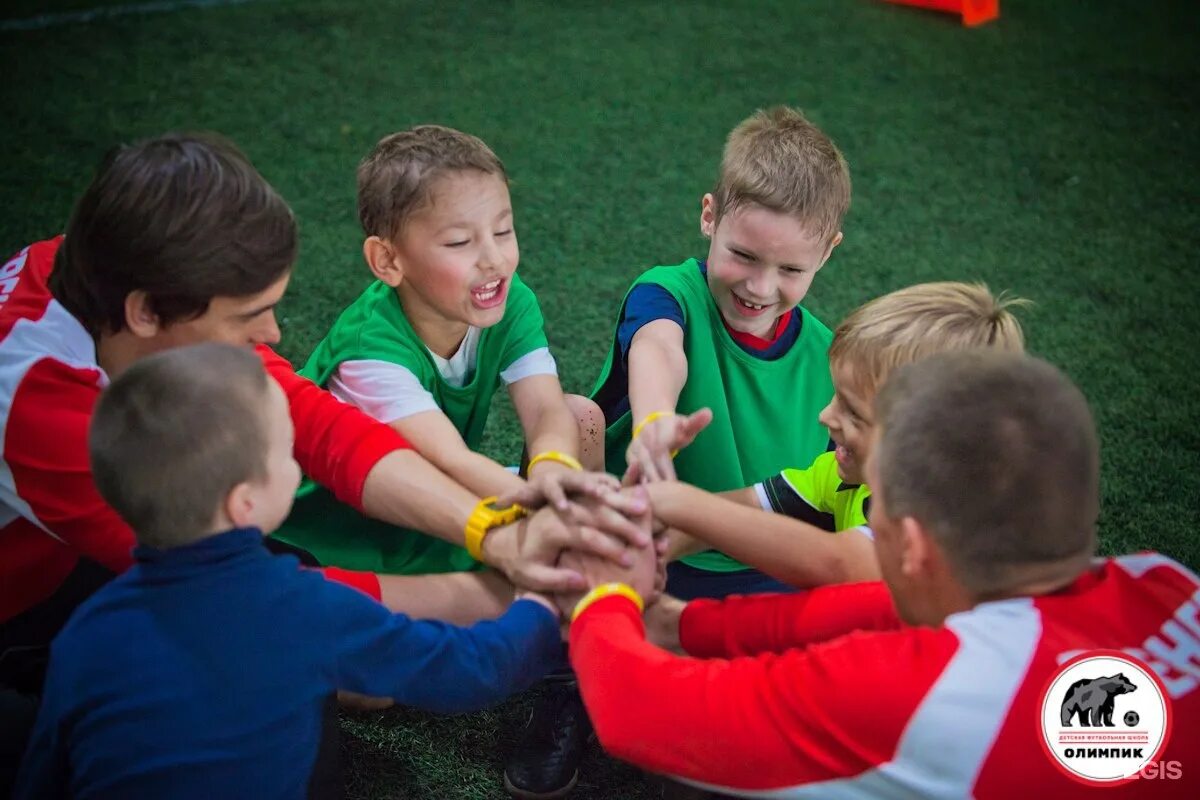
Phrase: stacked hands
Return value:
(587, 529)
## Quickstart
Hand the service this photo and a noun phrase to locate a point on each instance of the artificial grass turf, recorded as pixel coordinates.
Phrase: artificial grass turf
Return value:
(1052, 153)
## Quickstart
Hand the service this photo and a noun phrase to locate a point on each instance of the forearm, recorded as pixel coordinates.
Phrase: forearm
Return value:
(787, 549)
(406, 490)
(774, 623)
(751, 725)
(552, 428)
(460, 598)
(714, 721)
(480, 474)
(657, 374)
(448, 669)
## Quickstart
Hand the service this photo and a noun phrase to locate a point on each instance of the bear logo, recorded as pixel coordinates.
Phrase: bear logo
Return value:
(1093, 699)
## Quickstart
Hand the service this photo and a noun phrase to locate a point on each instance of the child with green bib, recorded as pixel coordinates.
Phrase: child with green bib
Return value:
(727, 333)
(425, 347)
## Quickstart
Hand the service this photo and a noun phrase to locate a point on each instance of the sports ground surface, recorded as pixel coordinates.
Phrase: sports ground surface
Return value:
(1054, 153)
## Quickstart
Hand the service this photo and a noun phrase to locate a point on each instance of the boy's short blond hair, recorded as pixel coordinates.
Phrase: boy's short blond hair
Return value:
(396, 177)
(779, 160)
(913, 323)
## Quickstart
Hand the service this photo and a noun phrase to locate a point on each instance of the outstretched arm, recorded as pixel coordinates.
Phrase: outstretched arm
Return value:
(795, 552)
(658, 370)
(750, 724)
(434, 665)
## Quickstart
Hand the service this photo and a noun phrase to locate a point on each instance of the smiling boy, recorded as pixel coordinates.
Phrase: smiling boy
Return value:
(426, 346)
(728, 333)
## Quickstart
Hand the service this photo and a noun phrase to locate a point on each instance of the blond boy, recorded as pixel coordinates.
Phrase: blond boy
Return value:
(726, 333)
(900, 328)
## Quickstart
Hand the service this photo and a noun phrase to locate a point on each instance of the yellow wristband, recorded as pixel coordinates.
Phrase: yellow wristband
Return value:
(650, 418)
(607, 590)
(554, 455)
(483, 519)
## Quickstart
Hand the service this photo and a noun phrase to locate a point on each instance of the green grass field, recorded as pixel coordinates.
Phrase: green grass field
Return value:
(1053, 153)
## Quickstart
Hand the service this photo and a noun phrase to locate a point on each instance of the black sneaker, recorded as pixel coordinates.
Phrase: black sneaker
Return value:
(545, 763)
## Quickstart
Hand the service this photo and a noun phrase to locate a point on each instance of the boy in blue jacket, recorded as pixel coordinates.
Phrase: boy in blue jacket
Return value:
(208, 668)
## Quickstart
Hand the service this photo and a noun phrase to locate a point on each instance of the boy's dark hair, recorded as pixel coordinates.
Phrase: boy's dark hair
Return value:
(395, 179)
(174, 433)
(995, 453)
(183, 217)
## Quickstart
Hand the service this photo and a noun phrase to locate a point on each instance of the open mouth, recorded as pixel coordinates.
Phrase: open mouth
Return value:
(490, 294)
(843, 455)
(748, 309)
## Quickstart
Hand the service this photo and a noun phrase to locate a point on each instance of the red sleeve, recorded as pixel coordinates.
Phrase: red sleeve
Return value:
(365, 582)
(46, 448)
(753, 723)
(336, 444)
(774, 622)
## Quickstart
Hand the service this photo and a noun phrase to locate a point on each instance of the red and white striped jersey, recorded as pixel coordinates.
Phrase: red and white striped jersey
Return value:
(50, 511)
(825, 694)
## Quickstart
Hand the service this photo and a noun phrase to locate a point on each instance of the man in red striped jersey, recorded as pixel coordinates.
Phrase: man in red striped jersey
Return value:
(933, 682)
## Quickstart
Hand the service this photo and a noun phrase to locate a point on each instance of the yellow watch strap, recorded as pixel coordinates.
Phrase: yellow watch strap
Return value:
(650, 418)
(607, 590)
(482, 520)
(555, 455)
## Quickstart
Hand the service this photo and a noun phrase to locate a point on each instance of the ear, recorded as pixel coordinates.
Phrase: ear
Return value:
(383, 260)
(917, 549)
(834, 242)
(239, 505)
(708, 215)
(139, 316)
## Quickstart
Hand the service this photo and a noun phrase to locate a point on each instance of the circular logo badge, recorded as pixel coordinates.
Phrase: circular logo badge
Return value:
(1104, 716)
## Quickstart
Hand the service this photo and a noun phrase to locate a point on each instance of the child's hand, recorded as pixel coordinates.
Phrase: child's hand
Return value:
(527, 551)
(637, 567)
(649, 454)
(554, 485)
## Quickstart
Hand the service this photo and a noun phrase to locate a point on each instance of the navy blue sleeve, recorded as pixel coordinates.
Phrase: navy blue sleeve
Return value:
(44, 773)
(434, 665)
(645, 303)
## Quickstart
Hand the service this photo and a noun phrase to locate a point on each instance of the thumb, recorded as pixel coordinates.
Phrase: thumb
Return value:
(528, 496)
(694, 423)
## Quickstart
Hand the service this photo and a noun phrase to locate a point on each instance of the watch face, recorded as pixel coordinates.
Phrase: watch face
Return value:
(497, 508)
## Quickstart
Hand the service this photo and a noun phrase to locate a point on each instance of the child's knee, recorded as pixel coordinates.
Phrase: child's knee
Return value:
(590, 420)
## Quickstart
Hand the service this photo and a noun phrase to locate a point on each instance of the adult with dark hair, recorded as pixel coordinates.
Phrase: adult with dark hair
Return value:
(179, 240)
(985, 479)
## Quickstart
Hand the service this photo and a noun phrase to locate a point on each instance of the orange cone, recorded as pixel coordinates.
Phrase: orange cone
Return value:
(973, 12)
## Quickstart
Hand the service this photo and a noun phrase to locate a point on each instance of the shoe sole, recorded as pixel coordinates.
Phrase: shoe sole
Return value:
(525, 794)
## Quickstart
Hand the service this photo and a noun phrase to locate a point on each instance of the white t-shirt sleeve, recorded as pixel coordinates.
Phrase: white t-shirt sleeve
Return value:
(535, 362)
(382, 390)
(760, 491)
